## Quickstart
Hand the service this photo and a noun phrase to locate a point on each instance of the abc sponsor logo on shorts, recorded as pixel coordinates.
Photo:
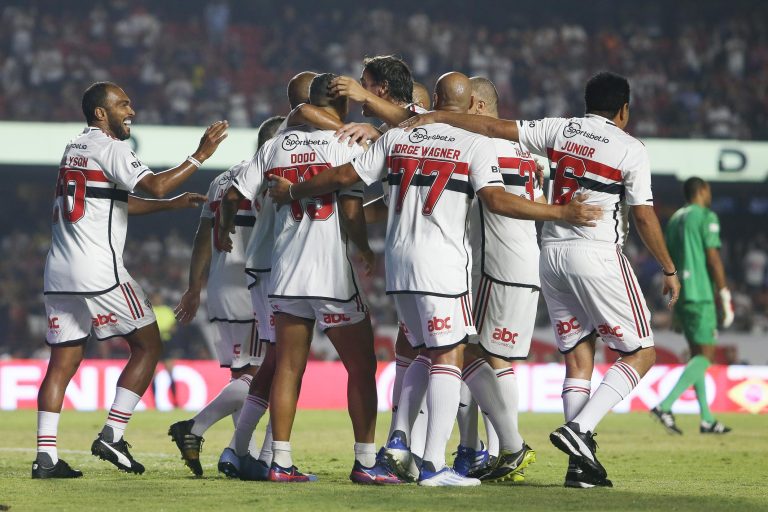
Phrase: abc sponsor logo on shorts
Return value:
(567, 328)
(333, 318)
(102, 320)
(53, 323)
(439, 325)
(505, 335)
(606, 331)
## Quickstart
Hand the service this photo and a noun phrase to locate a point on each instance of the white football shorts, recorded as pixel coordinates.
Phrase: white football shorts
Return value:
(238, 345)
(258, 285)
(119, 312)
(326, 313)
(435, 322)
(588, 287)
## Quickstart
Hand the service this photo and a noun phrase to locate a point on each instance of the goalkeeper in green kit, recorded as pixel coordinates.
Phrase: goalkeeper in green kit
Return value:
(693, 238)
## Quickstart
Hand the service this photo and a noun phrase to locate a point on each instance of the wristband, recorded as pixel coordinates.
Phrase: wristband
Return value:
(290, 192)
(669, 274)
(194, 161)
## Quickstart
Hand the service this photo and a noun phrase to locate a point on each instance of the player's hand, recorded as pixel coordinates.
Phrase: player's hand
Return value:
(357, 133)
(279, 189)
(726, 302)
(187, 307)
(368, 259)
(223, 241)
(671, 288)
(349, 87)
(211, 139)
(539, 174)
(578, 213)
(420, 120)
(188, 200)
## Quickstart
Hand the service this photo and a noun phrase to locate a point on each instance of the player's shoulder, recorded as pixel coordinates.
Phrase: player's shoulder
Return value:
(506, 147)
(97, 140)
(544, 122)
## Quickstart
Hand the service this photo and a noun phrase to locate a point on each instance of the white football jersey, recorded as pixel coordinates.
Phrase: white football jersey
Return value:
(228, 296)
(591, 155)
(251, 182)
(433, 173)
(90, 215)
(506, 249)
(309, 257)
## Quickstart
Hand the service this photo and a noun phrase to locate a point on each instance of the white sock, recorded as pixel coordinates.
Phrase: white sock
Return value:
(419, 430)
(282, 453)
(266, 454)
(442, 404)
(229, 399)
(365, 454)
(467, 419)
(415, 383)
(575, 395)
(120, 413)
(47, 430)
(493, 437)
(508, 385)
(482, 380)
(252, 446)
(619, 381)
(401, 366)
(250, 414)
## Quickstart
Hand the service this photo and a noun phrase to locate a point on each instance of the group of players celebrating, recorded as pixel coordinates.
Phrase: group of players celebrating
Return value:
(460, 193)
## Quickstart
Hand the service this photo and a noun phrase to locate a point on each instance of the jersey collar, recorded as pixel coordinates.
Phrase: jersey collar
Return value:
(601, 117)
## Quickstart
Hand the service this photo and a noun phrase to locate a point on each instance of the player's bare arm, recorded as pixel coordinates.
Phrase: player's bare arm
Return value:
(484, 125)
(358, 133)
(389, 112)
(198, 270)
(375, 211)
(226, 227)
(576, 212)
(717, 273)
(353, 223)
(650, 232)
(306, 114)
(283, 191)
(142, 206)
(161, 183)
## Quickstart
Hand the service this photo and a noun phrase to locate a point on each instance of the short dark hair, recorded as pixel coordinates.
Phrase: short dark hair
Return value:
(268, 129)
(606, 93)
(95, 96)
(393, 71)
(318, 90)
(691, 187)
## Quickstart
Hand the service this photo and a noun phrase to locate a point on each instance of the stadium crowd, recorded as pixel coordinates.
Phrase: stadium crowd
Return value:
(189, 63)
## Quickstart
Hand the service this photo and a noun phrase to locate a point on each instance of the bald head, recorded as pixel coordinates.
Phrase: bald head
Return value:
(298, 88)
(421, 96)
(453, 92)
(486, 97)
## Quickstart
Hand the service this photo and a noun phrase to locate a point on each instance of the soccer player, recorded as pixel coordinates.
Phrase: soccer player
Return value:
(506, 288)
(586, 280)
(433, 174)
(693, 237)
(321, 288)
(230, 309)
(421, 96)
(87, 288)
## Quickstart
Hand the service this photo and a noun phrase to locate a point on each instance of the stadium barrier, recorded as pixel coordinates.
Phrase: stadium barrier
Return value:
(730, 388)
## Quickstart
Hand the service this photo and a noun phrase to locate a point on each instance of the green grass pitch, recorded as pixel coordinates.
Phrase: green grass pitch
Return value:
(650, 470)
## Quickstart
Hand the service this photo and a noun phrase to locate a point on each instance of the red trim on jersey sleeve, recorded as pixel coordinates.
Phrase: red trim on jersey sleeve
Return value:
(603, 170)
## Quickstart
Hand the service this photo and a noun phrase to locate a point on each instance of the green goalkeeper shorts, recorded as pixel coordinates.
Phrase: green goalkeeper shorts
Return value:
(697, 321)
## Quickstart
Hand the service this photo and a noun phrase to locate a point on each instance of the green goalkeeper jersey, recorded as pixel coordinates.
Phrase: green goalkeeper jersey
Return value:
(690, 232)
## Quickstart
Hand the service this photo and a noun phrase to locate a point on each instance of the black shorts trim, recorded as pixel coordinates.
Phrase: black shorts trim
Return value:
(462, 341)
(239, 368)
(577, 343)
(505, 358)
(310, 297)
(507, 283)
(121, 335)
(623, 353)
(70, 343)
(101, 292)
(227, 321)
(445, 295)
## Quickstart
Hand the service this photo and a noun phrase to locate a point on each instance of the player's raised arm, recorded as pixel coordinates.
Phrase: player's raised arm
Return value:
(161, 183)
(389, 112)
(650, 232)
(500, 202)
(488, 126)
(198, 269)
(283, 191)
(142, 206)
(306, 114)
